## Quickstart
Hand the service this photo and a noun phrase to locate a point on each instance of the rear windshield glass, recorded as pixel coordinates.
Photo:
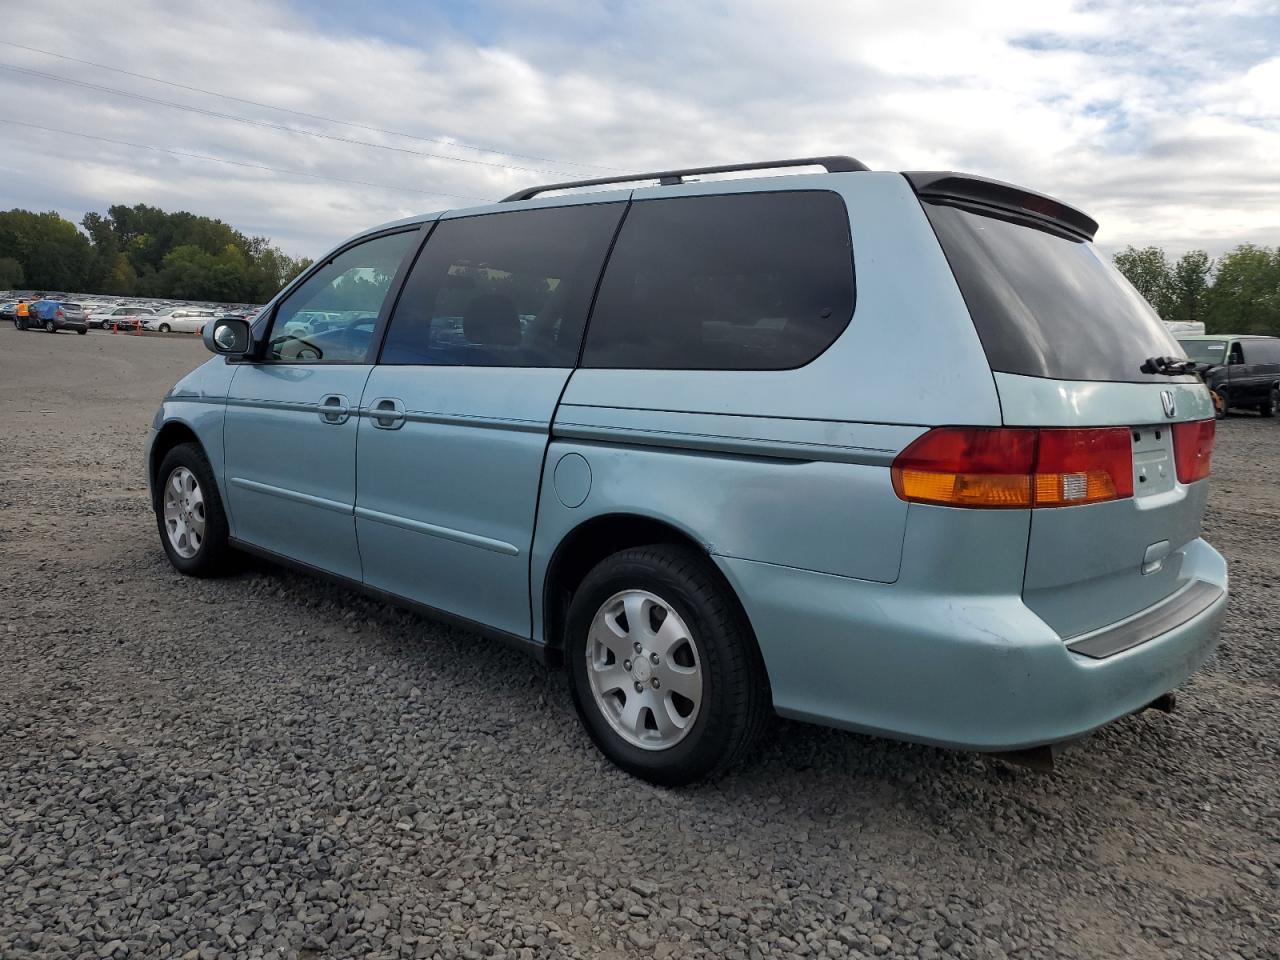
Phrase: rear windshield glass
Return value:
(1047, 305)
(1205, 351)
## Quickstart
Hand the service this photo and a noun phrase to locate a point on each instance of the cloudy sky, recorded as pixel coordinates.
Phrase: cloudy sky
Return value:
(1160, 119)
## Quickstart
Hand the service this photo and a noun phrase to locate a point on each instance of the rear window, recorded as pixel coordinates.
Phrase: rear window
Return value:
(1046, 304)
(754, 281)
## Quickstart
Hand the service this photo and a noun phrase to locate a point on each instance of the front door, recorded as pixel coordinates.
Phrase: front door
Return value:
(289, 436)
(457, 414)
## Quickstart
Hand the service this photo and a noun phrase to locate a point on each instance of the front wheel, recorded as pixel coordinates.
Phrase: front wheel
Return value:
(1219, 404)
(663, 667)
(189, 514)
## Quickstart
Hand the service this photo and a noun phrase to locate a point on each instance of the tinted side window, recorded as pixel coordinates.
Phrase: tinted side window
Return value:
(503, 289)
(1263, 351)
(330, 317)
(753, 281)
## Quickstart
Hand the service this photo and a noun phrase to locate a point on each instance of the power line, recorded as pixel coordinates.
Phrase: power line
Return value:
(273, 126)
(300, 113)
(243, 163)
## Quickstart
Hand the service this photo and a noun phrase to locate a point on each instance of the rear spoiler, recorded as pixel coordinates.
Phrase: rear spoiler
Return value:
(995, 196)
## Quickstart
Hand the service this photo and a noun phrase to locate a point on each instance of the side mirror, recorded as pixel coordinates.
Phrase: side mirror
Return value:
(228, 336)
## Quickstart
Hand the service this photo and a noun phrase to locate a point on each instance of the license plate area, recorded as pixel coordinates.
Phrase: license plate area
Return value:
(1154, 472)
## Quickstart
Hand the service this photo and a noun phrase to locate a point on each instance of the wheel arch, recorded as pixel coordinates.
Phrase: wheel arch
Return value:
(171, 434)
(594, 539)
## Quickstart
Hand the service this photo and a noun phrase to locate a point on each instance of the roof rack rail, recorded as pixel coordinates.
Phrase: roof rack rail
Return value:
(669, 178)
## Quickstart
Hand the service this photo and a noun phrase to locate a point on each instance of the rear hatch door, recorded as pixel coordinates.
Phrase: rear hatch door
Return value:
(1069, 340)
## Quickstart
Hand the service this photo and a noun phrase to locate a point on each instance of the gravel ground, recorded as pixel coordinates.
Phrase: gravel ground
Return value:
(269, 766)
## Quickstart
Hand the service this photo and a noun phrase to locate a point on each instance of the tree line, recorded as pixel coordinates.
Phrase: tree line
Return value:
(141, 251)
(1237, 293)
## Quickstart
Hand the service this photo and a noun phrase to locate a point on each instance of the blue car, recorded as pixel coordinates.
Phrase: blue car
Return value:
(898, 453)
(53, 316)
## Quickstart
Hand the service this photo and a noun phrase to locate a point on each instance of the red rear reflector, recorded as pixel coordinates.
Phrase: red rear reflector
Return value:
(1193, 449)
(997, 467)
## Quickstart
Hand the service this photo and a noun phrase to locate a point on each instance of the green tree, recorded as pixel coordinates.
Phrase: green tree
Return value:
(1148, 270)
(1245, 296)
(1189, 286)
(52, 252)
(11, 275)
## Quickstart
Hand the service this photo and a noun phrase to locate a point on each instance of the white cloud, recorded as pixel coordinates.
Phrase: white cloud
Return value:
(1161, 120)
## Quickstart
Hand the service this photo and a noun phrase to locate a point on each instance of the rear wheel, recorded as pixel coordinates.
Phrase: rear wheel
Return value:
(663, 667)
(50, 327)
(1269, 408)
(189, 514)
(164, 328)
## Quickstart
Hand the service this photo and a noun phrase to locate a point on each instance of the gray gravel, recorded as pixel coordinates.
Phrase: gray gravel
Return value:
(268, 766)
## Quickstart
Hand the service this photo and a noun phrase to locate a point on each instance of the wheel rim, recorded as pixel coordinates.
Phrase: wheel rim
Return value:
(184, 514)
(644, 670)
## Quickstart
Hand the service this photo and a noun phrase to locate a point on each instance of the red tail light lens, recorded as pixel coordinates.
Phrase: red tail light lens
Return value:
(1083, 466)
(996, 467)
(1193, 449)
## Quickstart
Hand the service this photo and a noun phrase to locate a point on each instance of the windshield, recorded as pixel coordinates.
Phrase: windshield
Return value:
(1205, 351)
(1046, 304)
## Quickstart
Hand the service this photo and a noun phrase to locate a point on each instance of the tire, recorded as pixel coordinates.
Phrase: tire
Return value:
(50, 327)
(210, 556)
(1269, 408)
(82, 330)
(164, 328)
(717, 660)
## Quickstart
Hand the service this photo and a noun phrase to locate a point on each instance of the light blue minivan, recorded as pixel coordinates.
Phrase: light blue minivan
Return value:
(897, 453)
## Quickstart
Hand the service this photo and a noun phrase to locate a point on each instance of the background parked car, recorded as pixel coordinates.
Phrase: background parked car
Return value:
(53, 315)
(179, 320)
(124, 318)
(9, 311)
(1241, 372)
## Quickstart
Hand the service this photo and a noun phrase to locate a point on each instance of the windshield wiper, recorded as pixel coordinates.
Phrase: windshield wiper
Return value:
(1168, 366)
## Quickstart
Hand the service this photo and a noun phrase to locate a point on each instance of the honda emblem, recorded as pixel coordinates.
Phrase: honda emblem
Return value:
(1170, 404)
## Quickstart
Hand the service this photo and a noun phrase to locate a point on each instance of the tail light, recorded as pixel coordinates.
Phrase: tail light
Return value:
(1193, 449)
(1001, 467)
(59, 314)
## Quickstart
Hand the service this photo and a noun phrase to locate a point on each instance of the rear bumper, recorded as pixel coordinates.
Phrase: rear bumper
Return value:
(978, 672)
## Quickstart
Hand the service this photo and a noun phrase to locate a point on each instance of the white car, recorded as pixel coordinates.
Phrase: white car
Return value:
(179, 320)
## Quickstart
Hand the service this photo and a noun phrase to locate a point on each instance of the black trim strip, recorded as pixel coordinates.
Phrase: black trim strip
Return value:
(539, 651)
(1174, 612)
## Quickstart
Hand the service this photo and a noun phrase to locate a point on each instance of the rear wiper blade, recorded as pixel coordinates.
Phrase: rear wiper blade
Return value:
(1168, 366)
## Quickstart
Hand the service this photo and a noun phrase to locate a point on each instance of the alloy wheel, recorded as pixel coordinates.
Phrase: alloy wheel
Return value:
(184, 512)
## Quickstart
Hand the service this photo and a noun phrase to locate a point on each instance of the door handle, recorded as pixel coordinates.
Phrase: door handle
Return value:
(387, 413)
(334, 408)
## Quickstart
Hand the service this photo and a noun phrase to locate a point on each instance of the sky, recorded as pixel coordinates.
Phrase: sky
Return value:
(1160, 120)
